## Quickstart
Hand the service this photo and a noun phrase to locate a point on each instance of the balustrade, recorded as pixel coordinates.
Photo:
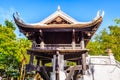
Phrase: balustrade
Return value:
(58, 46)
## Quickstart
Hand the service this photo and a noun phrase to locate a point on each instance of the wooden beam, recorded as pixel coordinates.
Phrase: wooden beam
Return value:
(49, 53)
(44, 58)
(74, 59)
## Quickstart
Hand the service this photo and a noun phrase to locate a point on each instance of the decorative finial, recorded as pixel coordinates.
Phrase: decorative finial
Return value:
(100, 13)
(58, 8)
(103, 13)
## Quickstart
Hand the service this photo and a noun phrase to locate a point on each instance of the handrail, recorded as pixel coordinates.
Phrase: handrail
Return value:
(100, 60)
(105, 60)
(117, 63)
(61, 46)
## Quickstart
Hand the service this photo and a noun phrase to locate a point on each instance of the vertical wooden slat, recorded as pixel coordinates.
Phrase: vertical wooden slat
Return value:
(38, 64)
(73, 39)
(82, 41)
(31, 59)
(42, 40)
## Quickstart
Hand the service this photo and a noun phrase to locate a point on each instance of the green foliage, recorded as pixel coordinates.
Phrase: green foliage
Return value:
(12, 50)
(23, 44)
(95, 48)
(69, 63)
(9, 24)
(107, 39)
(117, 21)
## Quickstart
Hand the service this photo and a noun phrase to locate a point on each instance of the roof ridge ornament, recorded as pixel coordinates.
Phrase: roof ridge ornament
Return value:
(103, 13)
(100, 13)
(58, 9)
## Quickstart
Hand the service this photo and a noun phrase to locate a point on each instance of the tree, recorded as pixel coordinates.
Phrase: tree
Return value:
(107, 39)
(7, 44)
(12, 49)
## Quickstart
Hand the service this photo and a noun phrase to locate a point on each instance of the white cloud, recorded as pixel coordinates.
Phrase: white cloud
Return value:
(6, 14)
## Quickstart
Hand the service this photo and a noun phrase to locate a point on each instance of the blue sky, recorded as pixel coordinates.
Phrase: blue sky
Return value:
(32, 11)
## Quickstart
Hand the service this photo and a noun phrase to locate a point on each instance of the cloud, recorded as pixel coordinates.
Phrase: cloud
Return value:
(6, 14)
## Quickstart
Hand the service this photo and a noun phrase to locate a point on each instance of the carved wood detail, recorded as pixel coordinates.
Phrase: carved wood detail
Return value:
(58, 20)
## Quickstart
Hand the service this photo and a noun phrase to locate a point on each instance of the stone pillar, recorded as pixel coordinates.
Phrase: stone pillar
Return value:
(111, 56)
(57, 66)
(61, 62)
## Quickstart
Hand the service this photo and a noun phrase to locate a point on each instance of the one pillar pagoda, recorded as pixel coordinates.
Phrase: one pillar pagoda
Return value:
(57, 39)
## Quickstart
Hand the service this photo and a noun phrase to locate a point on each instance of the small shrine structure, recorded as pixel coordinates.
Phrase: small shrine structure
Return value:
(57, 39)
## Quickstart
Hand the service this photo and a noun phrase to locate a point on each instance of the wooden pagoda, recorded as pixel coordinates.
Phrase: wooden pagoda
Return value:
(57, 39)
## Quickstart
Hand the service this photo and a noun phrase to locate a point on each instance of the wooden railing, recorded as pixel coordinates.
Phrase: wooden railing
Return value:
(58, 46)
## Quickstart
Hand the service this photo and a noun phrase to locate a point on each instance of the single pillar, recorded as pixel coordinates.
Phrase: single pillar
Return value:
(57, 66)
(73, 39)
(54, 62)
(61, 62)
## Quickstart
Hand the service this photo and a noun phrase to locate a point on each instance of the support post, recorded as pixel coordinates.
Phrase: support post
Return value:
(38, 64)
(31, 59)
(83, 63)
(42, 41)
(34, 44)
(83, 55)
(38, 61)
(32, 54)
(73, 39)
(57, 66)
(31, 62)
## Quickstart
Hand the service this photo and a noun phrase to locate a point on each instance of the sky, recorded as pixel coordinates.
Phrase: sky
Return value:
(33, 11)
